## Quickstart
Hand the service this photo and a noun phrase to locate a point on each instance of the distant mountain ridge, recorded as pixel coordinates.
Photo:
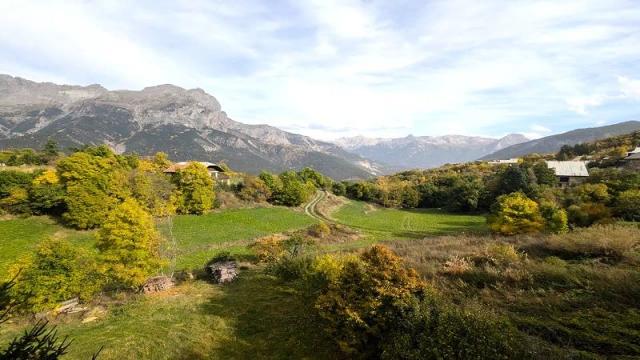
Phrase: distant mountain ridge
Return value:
(553, 143)
(426, 151)
(186, 124)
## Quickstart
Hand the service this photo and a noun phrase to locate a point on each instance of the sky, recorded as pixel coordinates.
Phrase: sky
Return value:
(330, 69)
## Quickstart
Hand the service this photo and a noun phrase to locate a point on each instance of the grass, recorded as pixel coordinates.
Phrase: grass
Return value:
(18, 237)
(381, 223)
(255, 317)
(199, 238)
(572, 301)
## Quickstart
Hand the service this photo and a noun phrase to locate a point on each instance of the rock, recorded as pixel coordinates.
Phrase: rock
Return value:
(223, 272)
(157, 284)
(70, 307)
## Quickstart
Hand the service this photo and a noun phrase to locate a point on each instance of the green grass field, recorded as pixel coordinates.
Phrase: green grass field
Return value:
(256, 317)
(18, 237)
(199, 238)
(384, 223)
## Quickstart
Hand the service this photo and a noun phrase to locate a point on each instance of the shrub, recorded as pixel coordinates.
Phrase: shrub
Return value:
(456, 266)
(555, 219)
(433, 329)
(628, 205)
(129, 245)
(254, 189)
(515, 214)
(612, 241)
(339, 188)
(56, 272)
(17, 202)
(10, 179)
(269, 249)
(587, 214)
(503, 255)
(355, 304)
(294, 192)
(319, 230)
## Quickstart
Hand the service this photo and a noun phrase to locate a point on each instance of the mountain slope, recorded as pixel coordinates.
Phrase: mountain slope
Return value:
(426, 151)
(187, 124)
(553, 143)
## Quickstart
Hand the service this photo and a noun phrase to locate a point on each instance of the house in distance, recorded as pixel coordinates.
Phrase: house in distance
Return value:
(569, 172)
(216, 171)
(632, 160)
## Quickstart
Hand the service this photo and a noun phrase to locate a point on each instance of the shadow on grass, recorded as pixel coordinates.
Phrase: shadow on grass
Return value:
(269, 320)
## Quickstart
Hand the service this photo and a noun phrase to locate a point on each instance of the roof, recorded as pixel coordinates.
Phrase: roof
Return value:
(634, 156)
(568, 168)
(181, 165)
(635, 151)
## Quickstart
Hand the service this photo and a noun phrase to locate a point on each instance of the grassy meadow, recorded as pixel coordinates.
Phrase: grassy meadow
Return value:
(571, 296)
(382, 223)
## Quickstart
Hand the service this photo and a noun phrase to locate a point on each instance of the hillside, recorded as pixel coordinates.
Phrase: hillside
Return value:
(553, 143)
(186, 124)
(426, 151)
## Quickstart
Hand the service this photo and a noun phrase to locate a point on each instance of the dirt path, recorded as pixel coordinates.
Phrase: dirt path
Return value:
(311, 208)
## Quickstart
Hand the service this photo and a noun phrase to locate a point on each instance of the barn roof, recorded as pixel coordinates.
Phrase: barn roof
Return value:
(181, 165)
(568, 168)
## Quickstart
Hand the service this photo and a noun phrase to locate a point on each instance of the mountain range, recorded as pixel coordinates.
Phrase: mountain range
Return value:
(553, 143)
(186, 124)
(426, 151)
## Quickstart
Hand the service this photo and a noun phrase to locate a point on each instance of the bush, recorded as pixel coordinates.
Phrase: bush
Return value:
(555, 219)
(355, 304)
(294, 192)
(320, 230)
(14, 179)
(503, 255)
(628, 205)
(56, 272)
(17, 202)
(433, 329)
(254, 189)
(515, 214)
(268, 249)
(129, 245)
(46, 195)
(587, 214)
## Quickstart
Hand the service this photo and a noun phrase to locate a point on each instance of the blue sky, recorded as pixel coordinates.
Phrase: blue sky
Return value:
(330, 68)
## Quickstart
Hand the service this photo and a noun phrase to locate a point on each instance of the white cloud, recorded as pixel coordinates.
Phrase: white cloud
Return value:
(352, 67)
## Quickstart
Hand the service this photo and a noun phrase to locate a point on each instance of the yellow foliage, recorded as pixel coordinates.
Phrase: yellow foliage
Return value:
(48, 177)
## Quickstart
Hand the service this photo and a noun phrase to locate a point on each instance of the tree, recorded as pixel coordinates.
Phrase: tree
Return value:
(129, 245)
(339, 188)
(56, 272)
(152, 189)
(544, 175)
(515, 214)
(46, 194)
(628, 205)
(51, 149)
(95, 181)
(310, 175)
(194, 186)
(254, 189)
(513, 179)
(294, 192)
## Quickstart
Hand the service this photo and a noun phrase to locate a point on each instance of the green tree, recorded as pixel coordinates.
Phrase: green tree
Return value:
(294, 192)
(515, 214)
(194, 186)
(46, 195)
(129, 245)
(339, 188)
(544, 175)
